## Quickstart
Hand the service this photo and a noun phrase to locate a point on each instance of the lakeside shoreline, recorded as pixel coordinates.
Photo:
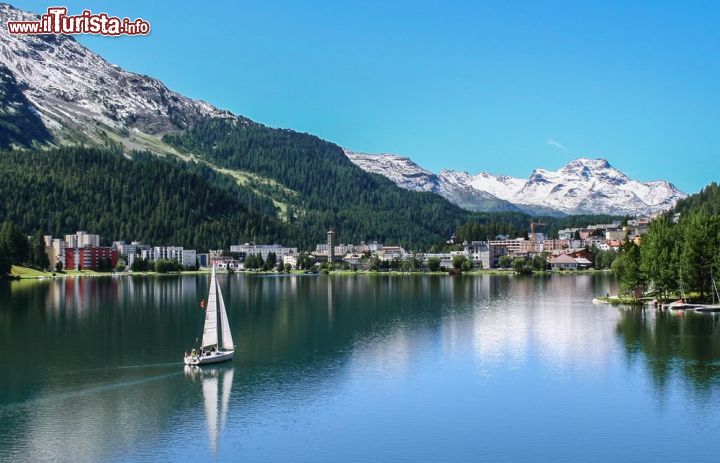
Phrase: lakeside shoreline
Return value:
(25, 273)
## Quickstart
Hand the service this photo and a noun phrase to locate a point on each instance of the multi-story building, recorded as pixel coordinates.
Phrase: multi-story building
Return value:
(615, 234)
(131, 251)
(518, 246)
(391, 252)
(445, 258)
(290, 259)
(362, 248)
(90, 258)
(331, 245)
(203, 259)
(263, 250)
(55, 250)
(167, 253)
(82, 239)
(188, 258)
(483, 254)
(567, 233)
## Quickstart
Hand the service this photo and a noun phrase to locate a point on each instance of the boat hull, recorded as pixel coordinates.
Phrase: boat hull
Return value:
(214, 357)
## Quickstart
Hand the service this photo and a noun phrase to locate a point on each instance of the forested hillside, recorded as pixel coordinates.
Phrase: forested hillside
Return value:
(681, 252)
(142, 198)
(708, 199)
(333, 192)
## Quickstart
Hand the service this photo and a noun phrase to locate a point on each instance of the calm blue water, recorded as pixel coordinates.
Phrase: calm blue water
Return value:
(484, 368)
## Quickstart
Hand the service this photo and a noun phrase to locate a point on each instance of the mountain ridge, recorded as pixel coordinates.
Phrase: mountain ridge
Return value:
(584, 185)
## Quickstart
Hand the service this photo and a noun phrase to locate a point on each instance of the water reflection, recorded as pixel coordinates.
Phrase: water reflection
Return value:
(683, 346)
(316, 352)
(216, 387)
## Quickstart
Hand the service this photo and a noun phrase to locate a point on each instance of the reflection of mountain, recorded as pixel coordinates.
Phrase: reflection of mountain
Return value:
(216, 403)
(685, 347)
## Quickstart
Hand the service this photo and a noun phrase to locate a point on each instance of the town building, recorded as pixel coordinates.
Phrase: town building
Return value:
(189, 258)
(91, 258)
(203, 259)
(389, 253)
(331, 245)
(564, 262)
(55, 250)
(483, 254)
(130, 251)
(290, 259)
(445, 259)
(615, 235)
(226, 263)
(82, 239)
(517, 246)
(263, 250)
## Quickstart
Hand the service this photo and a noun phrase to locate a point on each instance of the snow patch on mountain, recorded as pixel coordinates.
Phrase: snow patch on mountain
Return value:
(582, 186)
(451, 185)
(71, 86)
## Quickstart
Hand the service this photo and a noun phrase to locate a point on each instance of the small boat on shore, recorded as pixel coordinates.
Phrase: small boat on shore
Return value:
(217, 343)
(681, 305)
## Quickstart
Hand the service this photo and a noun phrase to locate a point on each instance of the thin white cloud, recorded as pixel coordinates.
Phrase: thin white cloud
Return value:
(556, 144)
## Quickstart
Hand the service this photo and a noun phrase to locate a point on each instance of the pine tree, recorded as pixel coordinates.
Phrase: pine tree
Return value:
(660, 256)
(628, 269)
(15, 243)
(699, 250)
(38, 256)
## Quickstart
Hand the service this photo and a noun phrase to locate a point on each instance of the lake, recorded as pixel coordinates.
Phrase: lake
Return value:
(354, 368)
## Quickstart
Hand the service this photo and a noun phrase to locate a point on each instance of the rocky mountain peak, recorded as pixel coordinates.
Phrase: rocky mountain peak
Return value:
(73, 87)
(582, 186)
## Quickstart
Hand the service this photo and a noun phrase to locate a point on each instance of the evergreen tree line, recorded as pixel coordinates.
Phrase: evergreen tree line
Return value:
(17, 249)
(679, 254)
(331, 191)
(143, 197)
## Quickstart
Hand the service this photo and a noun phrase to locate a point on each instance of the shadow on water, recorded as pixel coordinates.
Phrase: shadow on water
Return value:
(684, 347)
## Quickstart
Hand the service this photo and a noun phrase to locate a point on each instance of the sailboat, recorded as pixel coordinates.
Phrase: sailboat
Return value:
(217, 343)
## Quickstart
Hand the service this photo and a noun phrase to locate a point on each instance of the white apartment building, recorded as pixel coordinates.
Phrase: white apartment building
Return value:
(263, 250)
(290, 259)
(82, 239)
(189, 258)
(388, 253)
(615, 235)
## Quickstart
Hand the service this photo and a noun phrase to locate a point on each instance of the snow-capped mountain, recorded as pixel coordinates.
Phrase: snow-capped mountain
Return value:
(73, 88)
(583, 186)
(406, 174)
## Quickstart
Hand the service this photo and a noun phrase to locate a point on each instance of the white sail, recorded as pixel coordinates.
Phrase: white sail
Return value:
(210, 331)
(227, 340)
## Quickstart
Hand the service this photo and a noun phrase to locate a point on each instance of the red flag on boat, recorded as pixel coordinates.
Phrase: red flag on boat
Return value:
(202, 304)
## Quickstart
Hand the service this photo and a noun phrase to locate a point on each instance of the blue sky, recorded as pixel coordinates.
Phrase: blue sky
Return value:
(497, 86)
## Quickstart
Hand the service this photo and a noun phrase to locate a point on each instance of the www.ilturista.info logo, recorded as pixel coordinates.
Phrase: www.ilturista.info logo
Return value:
(57, 21)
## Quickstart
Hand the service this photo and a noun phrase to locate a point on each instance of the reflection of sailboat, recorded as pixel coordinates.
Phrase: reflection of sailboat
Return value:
(217, 343)
(216, 406)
